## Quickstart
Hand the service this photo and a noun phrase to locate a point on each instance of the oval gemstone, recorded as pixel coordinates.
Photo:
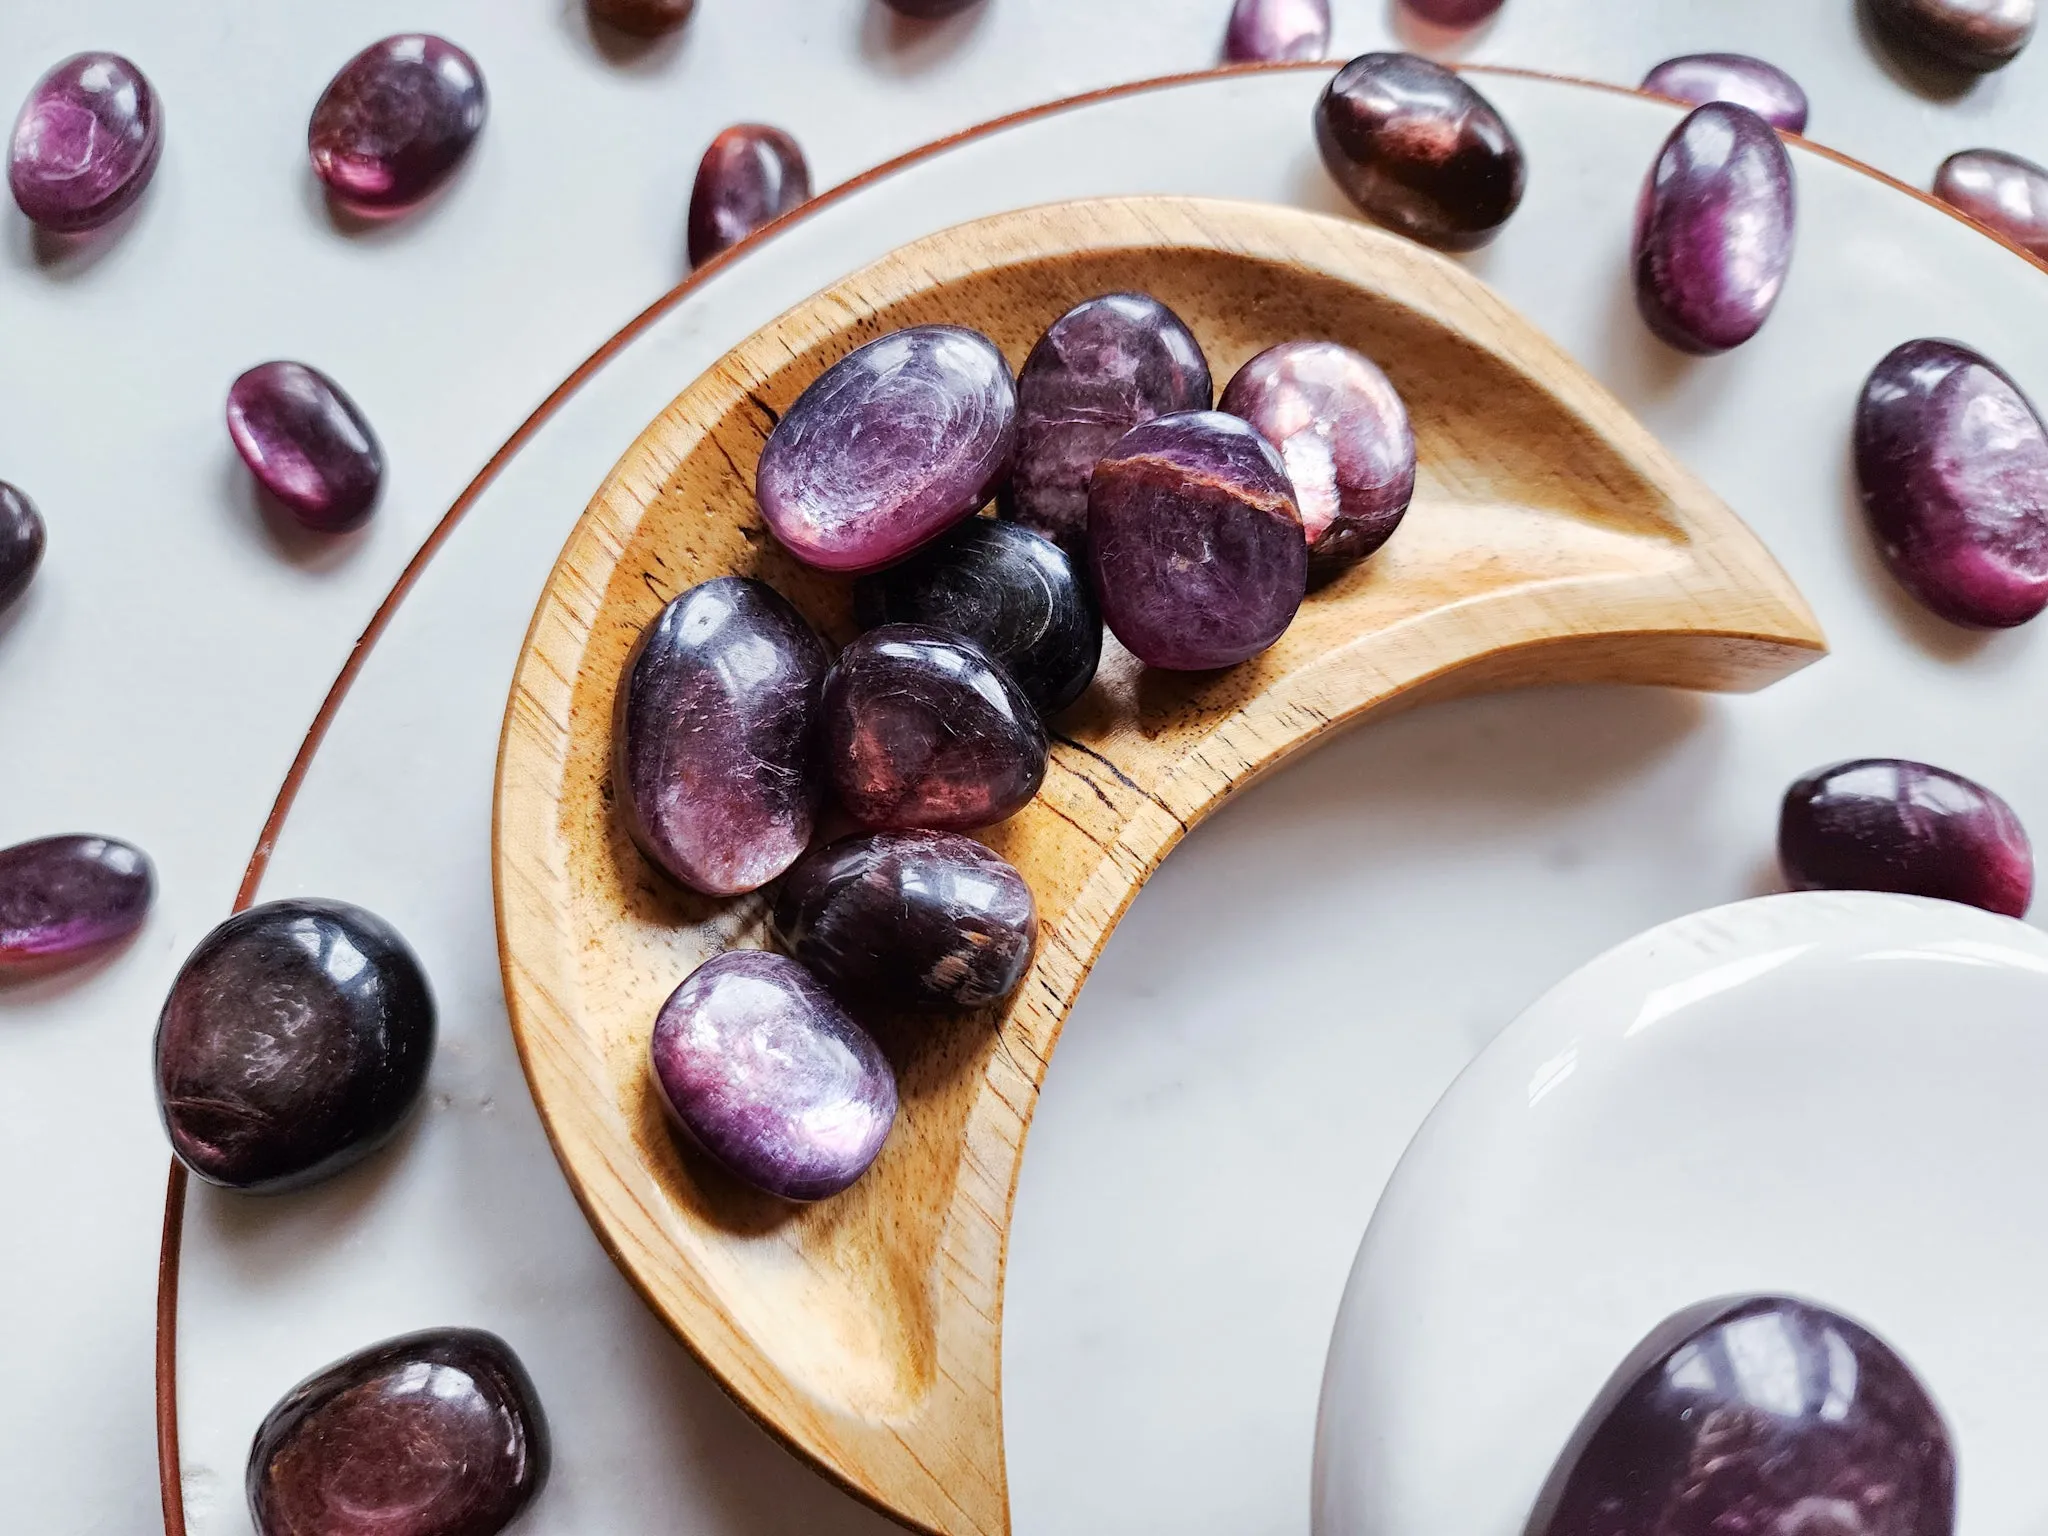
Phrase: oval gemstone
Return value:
(1714, 230)
(307, 444)
(21, 543)
(889, 447)
(2001, 190)
(1765, 89)
(1271, 30)
(751, 175)
(86, 143)
(436, 1433)
(643, 18)
(922, 729)
(765, 1073)
(1419, 150)
(1344, 435)
(1976, 35)
(63, 898)
(1453, 13)
(397, 120)
(1952, 460)
(1886, 824)
(909, 920)
(713, 737)
(294, 1043)
(1017, 596)
(1099, 370)
(1195, 542)
(1756, 1414)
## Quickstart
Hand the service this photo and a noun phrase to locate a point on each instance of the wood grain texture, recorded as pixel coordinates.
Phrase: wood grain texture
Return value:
(1551, 540)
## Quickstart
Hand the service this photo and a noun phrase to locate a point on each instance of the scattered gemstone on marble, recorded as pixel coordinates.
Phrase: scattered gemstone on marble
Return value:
(1714, 230)
(397, 120)
(1099, 370)
(751, 175)
(307, 444)
(1264, 31)
(643, 18)
(765, 1073)
(1953, 464)
(922, 729)
(714, 765)
(1016, 595)
(2001, 190)
(1758, 1415)
(1764, 88)
(86, 143)
(1453, 13)
(294, 1043)
(1974, 35)
(909, 920)
(929, 10)
(1195, 542)
(436, 1433)
(66, 898)
(1344, 435)
(1886, 824)
(889, 447)
(21, 543)
(1419, 150)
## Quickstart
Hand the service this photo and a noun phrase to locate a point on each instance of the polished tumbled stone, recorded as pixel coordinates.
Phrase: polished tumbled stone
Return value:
(395, 122)
(643, 18)
(2001, 190)
(1263, 31)
(21, 543)
(751, 175)
(1764, 88)
(66, 898)
(1453, 13)
(307, 444)
(1974, 35)
(86, 143)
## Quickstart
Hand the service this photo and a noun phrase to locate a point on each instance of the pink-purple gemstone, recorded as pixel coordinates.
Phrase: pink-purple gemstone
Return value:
(1714, 230)
(21, 543)
(643, 18)
(766, 1074)
(713, 739)
(397, 120)
(85, 144)
(1975, 35)
(1344, 435)
(307, 444)
(889, 447)
(1952, 460)
(751, 175)
(1765, 89)
(1195, 542)
(64, 898)
(1757, 1415)
(2000, 190)
(1453, 13)
(1264, 31)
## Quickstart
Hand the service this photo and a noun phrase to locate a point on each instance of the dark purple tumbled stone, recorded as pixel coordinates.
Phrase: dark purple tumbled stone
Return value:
(397, 120)
(63, 898)
(1344, 435)
(1453, 13)
(294, 1043)
(714, 749)
(1418, 149)
(1953, 464)
(1756, 1416)
(21, 543)
(436, 1433)
(1195, 542)
(1263, 31)
(889, 447)
(764, 1072)
(909, 920)
(307, 443)
(1764, 88)
(643, 18)
(922, 729)
(2000, 190)
(1099, 370)
(86, 143)
(1885, 824)
(751, 175)
(1714, 230)
(1976, 35)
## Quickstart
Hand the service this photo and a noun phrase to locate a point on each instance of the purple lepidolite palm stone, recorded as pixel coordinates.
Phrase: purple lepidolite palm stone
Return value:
(395, 122)
(86, 143)
(2001, 190)
(1764, 88)
(751, 175)
(307, 443)
(63, 898)
(1263, 31)
(21, 543)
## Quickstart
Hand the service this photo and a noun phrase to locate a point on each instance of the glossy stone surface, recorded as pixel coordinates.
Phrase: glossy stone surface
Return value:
(63, 898)
(922, 729)
(1453, 13)
(1016, 595)
(397, 120)
(1270, 30)
(1764, 88)
(307, 443)
(764, 1072)
(294, 1043)
(751, 175)
(1952, 460)
(21, 543)
(1099, 370)
(1886, 824)
(1195, 542)
(1344, 436)
(86, 143)
(909, 920)
(2001, 190)
(436, 1433)
(1976, 35)
(1419, 150)
(889, 447)
(643, 18)
(1762, 1416)
(1714, 230)
(714, 744)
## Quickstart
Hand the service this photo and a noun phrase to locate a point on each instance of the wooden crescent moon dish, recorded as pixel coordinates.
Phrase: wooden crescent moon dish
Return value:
(1551, 539)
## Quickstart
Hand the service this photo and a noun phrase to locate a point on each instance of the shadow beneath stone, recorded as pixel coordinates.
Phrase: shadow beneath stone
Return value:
(1932, 633)
(1633, 361)
(908, 45)
(627, 52)
(694, 1179)
(16, 613)
(1431, 40)
(291, 540)
(380, 229)
(26, 984)
(1932, 78)
(63, 257)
